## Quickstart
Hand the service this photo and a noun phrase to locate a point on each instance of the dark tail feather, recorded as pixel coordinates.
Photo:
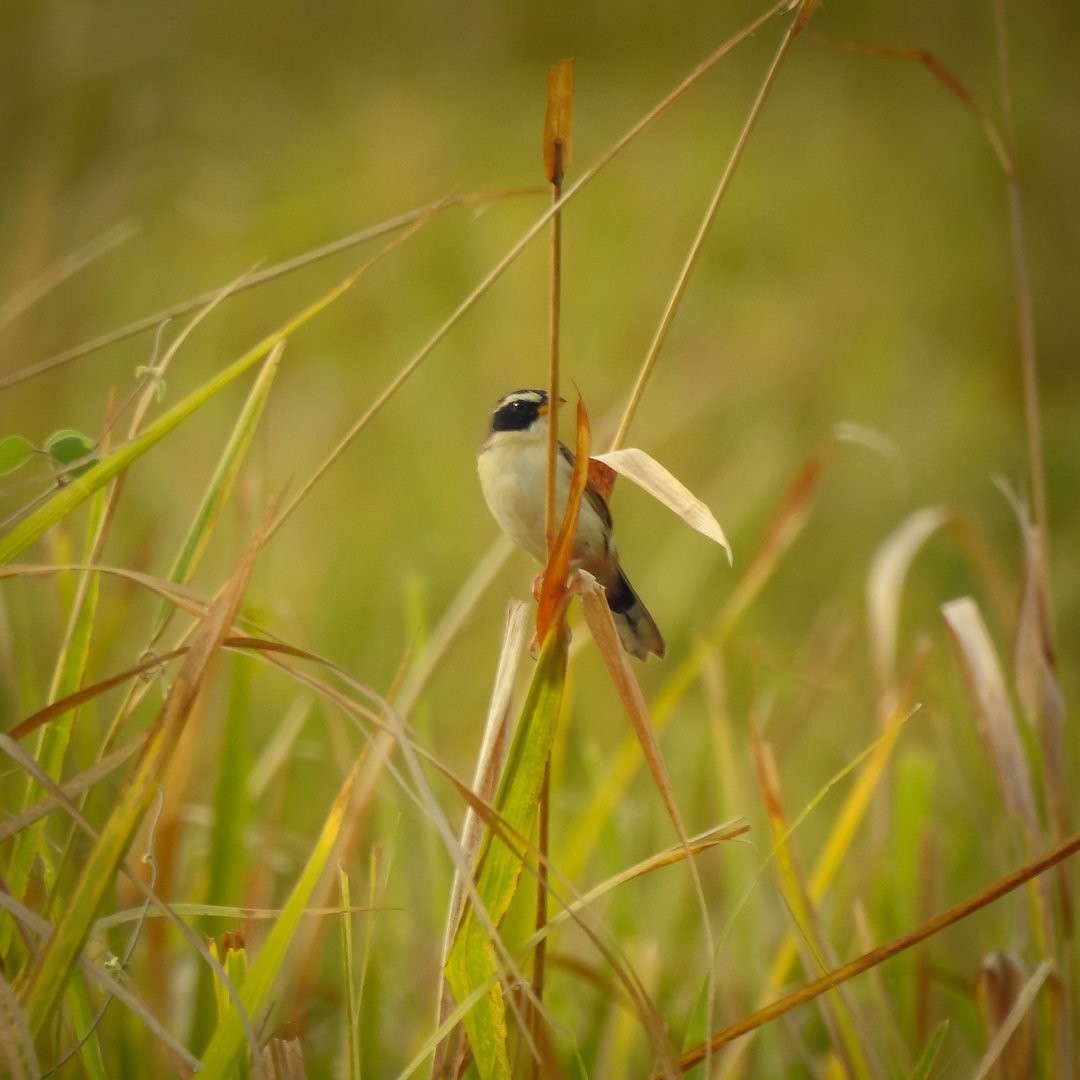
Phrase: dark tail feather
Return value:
(637, 630)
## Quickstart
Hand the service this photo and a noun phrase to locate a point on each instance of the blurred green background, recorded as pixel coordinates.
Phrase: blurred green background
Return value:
(859, 271)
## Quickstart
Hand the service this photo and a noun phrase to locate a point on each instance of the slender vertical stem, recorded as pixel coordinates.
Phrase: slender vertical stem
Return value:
(540, 956)
(1029, 368)
(668, 317)
(556, 310)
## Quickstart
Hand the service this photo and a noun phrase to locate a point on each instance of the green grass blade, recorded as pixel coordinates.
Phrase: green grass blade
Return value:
(472, 961)
(924, 1066)
(348, 975)
(228, 1042)
(25, 532)
(62, 951)
(52, 742)
(221, 483)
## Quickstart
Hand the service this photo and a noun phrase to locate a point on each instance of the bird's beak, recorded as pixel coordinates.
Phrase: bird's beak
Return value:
(545, 409)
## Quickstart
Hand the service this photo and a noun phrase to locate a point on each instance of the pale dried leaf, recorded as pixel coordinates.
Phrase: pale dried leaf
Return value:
(1005, 1000)
(1034, 659)
(994, 716)
(651, 476)
(885, 586)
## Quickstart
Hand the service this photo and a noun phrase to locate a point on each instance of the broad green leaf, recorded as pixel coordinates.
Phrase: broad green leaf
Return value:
(472, 961)
(220, 1061)
(14, 451)
(66, 447)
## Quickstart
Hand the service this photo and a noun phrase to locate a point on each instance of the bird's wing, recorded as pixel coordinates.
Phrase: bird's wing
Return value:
(595, 499)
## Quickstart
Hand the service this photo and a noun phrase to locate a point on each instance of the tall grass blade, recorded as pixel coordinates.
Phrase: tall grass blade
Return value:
(472, 960)
(348, 977)
(228, 1042)
(221, 483)
(53, 741)
(61, 953)
(489, 766)
(924, 1067)
(852, 813)
(985, 897)
(835, 1010)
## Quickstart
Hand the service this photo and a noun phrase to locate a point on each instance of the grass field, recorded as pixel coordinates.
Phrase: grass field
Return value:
(264, 278)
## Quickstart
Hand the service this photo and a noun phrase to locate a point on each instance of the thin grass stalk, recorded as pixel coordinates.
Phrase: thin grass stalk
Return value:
(259, 277)
(64, 268)
(1025, 314)
(523, 241)
(806, 8)
(557, 123)
(348, 975)
(990, 895)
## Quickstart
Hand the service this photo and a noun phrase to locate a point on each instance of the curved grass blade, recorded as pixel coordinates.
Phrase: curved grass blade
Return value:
(228, 1042)
(50, 975)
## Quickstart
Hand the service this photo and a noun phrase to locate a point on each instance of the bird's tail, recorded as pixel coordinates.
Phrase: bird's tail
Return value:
(637, 630)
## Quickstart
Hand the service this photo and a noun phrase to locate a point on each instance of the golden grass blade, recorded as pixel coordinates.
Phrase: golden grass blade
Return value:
(558, 123)
(805, 9)
(835, 1010)
(50, 974)
(784, 529)
(872, 959)
(994, 716)
(228, 1042)
(885, 587)
(652, 477)
(852, 812)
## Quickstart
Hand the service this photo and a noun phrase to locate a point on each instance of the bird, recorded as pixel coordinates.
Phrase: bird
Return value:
(512, 464)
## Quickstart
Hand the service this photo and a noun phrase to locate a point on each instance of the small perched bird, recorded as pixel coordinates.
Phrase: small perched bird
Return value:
(513, 474)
